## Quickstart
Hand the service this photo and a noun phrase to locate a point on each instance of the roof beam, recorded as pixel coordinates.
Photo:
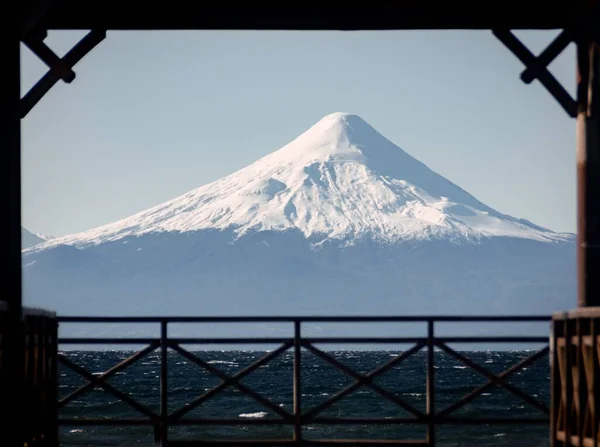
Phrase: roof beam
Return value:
(406, 14)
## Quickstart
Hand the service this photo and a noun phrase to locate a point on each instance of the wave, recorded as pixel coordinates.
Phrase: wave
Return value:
(258, 414)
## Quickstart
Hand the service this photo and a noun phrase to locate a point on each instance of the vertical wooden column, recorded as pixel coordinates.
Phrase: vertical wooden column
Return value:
(588, 172)
(11, 375)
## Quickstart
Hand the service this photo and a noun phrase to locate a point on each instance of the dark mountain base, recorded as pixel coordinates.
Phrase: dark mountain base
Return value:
(206, 273)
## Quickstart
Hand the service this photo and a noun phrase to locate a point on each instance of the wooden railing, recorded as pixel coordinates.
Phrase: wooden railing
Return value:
(575, 374)
(40, 380)
(302, 415)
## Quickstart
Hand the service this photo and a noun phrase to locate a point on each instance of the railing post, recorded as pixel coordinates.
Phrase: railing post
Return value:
(568, 331)
(555, 382)
(52, 337)
(29, 417)
(297, 384)
(430, 384)
(581, 388)
(161, 434)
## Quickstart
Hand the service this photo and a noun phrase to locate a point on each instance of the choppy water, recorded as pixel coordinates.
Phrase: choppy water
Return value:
(320, 380)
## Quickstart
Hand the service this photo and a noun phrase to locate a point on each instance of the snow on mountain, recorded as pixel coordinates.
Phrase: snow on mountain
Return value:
(28, 239)
(339, 180)
(339, 221)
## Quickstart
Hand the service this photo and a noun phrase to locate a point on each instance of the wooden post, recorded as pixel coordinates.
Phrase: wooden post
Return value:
(430, 384)
(11, 377)
(588, 173)
(164, 380)
(297, 384)
(53, 439)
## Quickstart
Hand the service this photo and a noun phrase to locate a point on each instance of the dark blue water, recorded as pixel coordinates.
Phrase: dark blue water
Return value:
(320, 380)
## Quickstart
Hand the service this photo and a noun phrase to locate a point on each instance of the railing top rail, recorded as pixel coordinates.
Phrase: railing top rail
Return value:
(304, 319)
(319, 340)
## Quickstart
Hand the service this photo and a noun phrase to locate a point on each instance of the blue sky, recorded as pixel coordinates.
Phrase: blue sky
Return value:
(152, 115)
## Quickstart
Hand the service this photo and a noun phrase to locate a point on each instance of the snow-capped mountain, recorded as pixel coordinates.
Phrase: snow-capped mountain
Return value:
(339, 221)
(29, 239)
(340, 180)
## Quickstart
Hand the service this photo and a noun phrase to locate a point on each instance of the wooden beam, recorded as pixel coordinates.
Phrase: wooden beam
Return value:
(33, 12)
(413, 14)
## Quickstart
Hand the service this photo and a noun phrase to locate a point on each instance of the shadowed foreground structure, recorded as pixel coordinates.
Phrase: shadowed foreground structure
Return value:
(574, 415)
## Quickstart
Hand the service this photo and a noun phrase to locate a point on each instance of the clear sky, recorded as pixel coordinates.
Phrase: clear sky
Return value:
(152, 115)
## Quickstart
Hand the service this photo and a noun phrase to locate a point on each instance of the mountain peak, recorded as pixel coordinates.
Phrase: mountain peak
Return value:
(339, 130)
(341, 119)
(339, 180)
(336, 138)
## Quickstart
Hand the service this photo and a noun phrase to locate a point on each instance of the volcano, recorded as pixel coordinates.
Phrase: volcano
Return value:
(340, 220)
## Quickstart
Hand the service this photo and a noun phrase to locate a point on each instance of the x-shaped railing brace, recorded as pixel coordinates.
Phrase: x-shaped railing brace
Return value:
(228, 381)
(100, 381)
(364, 380)
(493, 380)
(537, 67)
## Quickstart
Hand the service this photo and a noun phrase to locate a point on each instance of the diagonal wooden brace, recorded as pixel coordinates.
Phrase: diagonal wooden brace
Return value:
(503, 376)
(43, 86)
(551, 52)
(107, 387)
(493, 378)
(360, 382)
(108, 374)
(55, 63)
(365, 381)
(543, 75)
(228, 381)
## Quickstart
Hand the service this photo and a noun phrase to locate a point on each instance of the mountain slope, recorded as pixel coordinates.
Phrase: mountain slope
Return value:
(28, 239)
(339, 221)
(340, 180)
